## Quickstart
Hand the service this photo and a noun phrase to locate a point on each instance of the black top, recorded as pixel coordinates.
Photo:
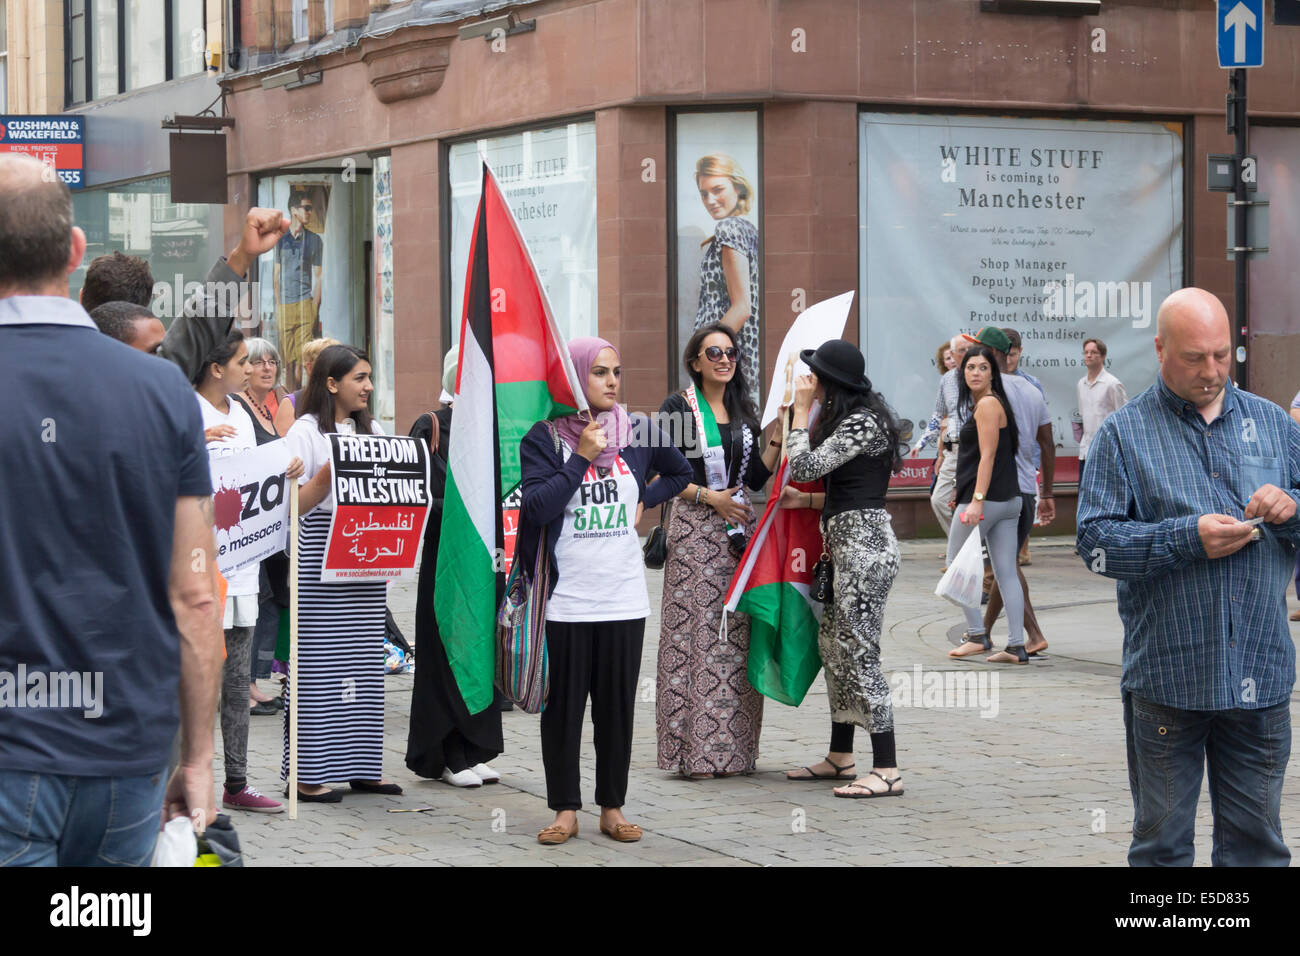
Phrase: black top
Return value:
(677, 423)
(858, 484)
(1004, 485)
(854, 461)
(260, 432)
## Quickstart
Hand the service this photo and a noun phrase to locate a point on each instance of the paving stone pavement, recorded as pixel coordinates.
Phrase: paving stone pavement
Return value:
(1030, 771)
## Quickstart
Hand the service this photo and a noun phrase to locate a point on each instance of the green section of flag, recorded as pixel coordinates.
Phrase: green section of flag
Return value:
(783, 656)
(520, 406)
(466, 602)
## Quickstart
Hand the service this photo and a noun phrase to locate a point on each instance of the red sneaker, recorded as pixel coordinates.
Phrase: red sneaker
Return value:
(250, 799)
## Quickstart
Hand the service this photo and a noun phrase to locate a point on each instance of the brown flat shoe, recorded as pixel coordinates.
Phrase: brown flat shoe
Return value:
(555, 834)
(622, 832)
(1295, 615)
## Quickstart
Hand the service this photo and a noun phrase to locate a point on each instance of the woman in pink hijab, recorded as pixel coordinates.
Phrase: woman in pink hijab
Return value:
(584, 486)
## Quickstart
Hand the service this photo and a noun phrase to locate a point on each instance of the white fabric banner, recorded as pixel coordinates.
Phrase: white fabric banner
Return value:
(250, 504)
(1060, 229)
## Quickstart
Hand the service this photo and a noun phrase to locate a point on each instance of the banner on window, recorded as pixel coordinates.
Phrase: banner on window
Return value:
(1061, 229)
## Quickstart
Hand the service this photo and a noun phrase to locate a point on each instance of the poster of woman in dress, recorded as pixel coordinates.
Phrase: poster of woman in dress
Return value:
(718, 248)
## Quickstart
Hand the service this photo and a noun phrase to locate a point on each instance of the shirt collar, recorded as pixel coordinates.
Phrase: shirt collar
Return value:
(43, 310)
(1182, 406)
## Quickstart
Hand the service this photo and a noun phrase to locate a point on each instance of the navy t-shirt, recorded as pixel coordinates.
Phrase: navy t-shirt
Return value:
(98, 441)
(296, 256)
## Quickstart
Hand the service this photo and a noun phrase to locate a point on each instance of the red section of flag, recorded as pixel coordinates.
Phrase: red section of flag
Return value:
(787, 543)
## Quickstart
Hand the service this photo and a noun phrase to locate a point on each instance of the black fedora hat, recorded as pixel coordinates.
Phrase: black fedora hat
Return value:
(840, 362)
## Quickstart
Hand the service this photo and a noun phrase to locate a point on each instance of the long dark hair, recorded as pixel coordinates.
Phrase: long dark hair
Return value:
(964, 404)
(842, 402)
(334, 362)
(735, 398)
(219, 354)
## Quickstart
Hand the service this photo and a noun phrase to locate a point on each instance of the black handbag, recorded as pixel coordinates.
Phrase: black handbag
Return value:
(823, 579)
(655, 549)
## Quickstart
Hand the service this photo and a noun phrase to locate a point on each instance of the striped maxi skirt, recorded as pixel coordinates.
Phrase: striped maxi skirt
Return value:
(340, 671)
(707, 714)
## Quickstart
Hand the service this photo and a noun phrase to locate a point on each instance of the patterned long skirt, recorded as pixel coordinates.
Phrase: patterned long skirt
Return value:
(865, 554)
(707, 715)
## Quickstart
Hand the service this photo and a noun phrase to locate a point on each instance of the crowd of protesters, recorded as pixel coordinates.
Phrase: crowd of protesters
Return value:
(1193, 512)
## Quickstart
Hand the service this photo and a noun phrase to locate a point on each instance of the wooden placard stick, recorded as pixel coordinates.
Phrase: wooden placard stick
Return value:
(293, 650)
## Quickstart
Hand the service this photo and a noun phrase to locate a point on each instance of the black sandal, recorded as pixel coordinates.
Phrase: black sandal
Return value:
(869, 793)
(839, 773)
(1017, 652)
(984, 641)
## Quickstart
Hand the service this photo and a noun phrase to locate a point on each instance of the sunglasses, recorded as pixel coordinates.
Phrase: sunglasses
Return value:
(714, 353)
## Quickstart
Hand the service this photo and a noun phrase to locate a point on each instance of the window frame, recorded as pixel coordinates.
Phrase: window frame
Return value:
(88, 18)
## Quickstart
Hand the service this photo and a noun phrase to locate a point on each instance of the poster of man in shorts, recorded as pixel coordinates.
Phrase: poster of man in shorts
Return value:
(297, 281)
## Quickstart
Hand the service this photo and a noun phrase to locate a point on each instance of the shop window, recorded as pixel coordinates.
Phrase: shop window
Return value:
(1058, 228)
(314, 282)
(548, 177)
(383, 309)
(180, 241)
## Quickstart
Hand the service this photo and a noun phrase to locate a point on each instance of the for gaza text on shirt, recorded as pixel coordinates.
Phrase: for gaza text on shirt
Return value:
(599, 513)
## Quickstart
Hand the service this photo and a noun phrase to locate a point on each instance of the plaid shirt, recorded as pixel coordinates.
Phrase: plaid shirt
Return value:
(1199, 634)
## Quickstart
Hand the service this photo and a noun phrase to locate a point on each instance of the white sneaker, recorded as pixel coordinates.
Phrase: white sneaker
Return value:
(485, 773)
(466, 778)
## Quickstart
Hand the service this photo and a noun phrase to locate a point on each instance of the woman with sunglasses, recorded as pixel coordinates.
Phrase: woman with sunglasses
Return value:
(707, 714)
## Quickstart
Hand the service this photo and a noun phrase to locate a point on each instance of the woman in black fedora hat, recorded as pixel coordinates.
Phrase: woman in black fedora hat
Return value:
(854, 447)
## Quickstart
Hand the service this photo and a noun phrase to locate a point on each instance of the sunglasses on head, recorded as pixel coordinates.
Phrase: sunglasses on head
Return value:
(714, 353)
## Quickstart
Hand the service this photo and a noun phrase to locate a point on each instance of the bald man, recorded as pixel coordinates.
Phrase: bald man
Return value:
(1189, 502)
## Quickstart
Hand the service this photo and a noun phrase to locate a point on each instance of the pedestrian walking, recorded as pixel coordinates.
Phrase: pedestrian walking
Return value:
(340, 623)
(584, 484)
(854, 447)
(108, 555)
(1099, 393)
(1033, 445)
(943, 427)
(708, 716)
(1175, 481)
(988, 496)
(1013, 368)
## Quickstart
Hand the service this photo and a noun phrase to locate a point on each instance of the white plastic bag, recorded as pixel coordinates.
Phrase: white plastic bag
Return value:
(177, 845)
(963, 582)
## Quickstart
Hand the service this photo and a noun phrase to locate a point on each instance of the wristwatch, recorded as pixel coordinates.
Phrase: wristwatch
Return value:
(979, 496)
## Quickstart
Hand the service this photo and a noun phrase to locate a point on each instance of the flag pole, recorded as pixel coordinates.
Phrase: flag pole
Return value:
(293, 650)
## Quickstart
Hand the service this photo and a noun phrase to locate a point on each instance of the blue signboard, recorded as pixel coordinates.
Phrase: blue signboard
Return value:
(57, 141)
(1241, 33)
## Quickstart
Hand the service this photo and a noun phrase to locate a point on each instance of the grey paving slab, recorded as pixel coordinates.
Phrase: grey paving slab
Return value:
(1027, 768)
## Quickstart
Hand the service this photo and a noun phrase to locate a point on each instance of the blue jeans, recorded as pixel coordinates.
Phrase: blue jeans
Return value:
(1247, 753)
(55, 820)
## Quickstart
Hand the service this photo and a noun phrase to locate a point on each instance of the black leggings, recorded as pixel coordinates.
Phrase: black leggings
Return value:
(601, 659)
(882, 745)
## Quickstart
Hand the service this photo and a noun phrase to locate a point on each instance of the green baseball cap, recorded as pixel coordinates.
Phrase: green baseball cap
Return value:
(991, 336)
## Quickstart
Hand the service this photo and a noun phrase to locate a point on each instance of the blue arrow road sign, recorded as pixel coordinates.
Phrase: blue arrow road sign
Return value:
(1241, 33)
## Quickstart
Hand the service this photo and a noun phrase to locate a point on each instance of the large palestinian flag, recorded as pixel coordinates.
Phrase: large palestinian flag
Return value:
(514, 371)
(771, 585)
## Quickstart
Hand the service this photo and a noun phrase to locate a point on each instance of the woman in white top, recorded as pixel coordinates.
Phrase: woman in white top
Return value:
(230, 431)
(340, 671)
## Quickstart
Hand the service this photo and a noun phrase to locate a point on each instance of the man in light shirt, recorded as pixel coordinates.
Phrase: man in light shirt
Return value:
(943, 427)
(1099, 394)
